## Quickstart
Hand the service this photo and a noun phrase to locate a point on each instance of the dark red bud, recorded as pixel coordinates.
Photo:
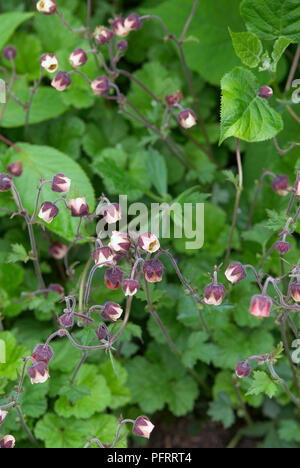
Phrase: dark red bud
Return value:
(243, 369)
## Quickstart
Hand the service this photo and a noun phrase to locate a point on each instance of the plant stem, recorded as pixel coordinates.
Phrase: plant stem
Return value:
(25, 427)
(293, 69)
(82, 361)
(283, 383)
(243, 407)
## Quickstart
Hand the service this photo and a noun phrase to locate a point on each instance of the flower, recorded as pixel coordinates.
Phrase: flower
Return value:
(243, 369)
(281, 185)
(101, 332)
(130, 287)
(78, 58)
(112, 311)
(61, 81)
(102, 35)
(153, 271)
(101, 85)
(61, 183)
(56, 288)
(187, 118)
(5, 182)
(58, 250)
(7, 442)
(15, 168)
(119, 242)
(48, 7)
(143, 427)
(38, 372)
(9, 52)
(235, 272)
(49, 62)
(214, 294)
(282, 247)
(3, 415)
(295, 291)
(260, 306)
(103, 256)
(78, 207)
(149, 242)
(174, 98)
(43, 353)
(112, 213)
(265, 92)
(66, 320)
(119, 28)
(113, 278)
(48, 212)
(133, 22)
(122, 46)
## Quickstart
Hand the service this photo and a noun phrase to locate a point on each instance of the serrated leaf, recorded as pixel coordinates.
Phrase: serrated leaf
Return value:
(220, 410)
(289, 430)
(13, 356)
(262, 383)
(248, 47)
(275, 220)
(244, 114)
(198, 349)
(18, 254)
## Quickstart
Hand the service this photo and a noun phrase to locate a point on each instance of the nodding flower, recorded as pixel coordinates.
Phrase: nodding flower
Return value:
(243, 370)
(112, 311)
(130, 287)
(112, 213)
(261, 306)
(79, 207)
(8, 442)
(148, 242)
(235, 272)
(61, 183)
(103, 35)
(153, 271)
(48, 212)
(103, 256)
(15, 168)
(5, 182)
(281, 185)
(143, 427)
(58, 250)
(61, 81)
(49, 62)
(48, 7)
(214, 294)
(78, 58)
(187, 118)
(38, 372)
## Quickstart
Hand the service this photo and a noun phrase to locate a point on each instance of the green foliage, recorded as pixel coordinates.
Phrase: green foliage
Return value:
(262, 383)
(247, 47)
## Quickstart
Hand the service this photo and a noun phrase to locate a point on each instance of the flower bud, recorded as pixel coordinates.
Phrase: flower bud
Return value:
(49, 62)
(235, 272)
(5, 182)
(48, 212)
(282, 247)
(101, 332)
(43, 353)
(122, 46)
(57, 288)
(3, 415)
(297, 187)
(119, 28)
(9, 52)
(66, 320)
(243, 369)
(112, 213)
(187, 118)
(153, 271)
(149, 242)
(174, 98)
(61, 81)
(265, 92)
(8, 442)
(101, 86)
(281, 185)
(103, 256)
(113, 278)
(133, 22)
(143, 427)
(15, 168)
(78, 58)
(48, 7)
(58, 250)
(38, 372)
(130, 287)
(102, 35)
(61, 183)
(261, 306)
(214, 294)
(79, 207)
(295, 291)
(120, 242)
(112, 311)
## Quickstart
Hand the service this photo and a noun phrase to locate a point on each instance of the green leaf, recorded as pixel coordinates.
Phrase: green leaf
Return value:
(9, 23)
(182, 396)
(44, 162)
(289, 430)
(120, 394)
(247, 47)
(271, 19)
(279, 48)
(275, 220)
(244, 114)
(158, 171)
(14, 355)
(33, 400)
(197, 348)
(18, 254)
(221, 410)
(262, 383)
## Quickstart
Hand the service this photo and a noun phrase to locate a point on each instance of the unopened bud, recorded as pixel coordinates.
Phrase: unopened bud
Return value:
(120, 242)
(174, 98)
(122, 46)
(112, 213)
(130, 287)
(101, 332)
(101, 85)
(265, 92)
(187, 118)
(58, 250)
(148, 242)
(9, 52)
(281, 185)
(78, 58)
(38, 372)
(102, 35)
(43, 353)
(66, 320)
(261, 306)
(103, 256)
(8, 442)
(243, 370)
(295, 291)
(153, 271)
(49, 62)
(5, 182)
(15, 168)
(61, 81)
(57, 288)
(214, 294)
(235, 272)
(61, 183)
(282, 247)
(143, 427)
(112, 311)
(48, 7)
(113, 278)
(48, 212)
(79, 207)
